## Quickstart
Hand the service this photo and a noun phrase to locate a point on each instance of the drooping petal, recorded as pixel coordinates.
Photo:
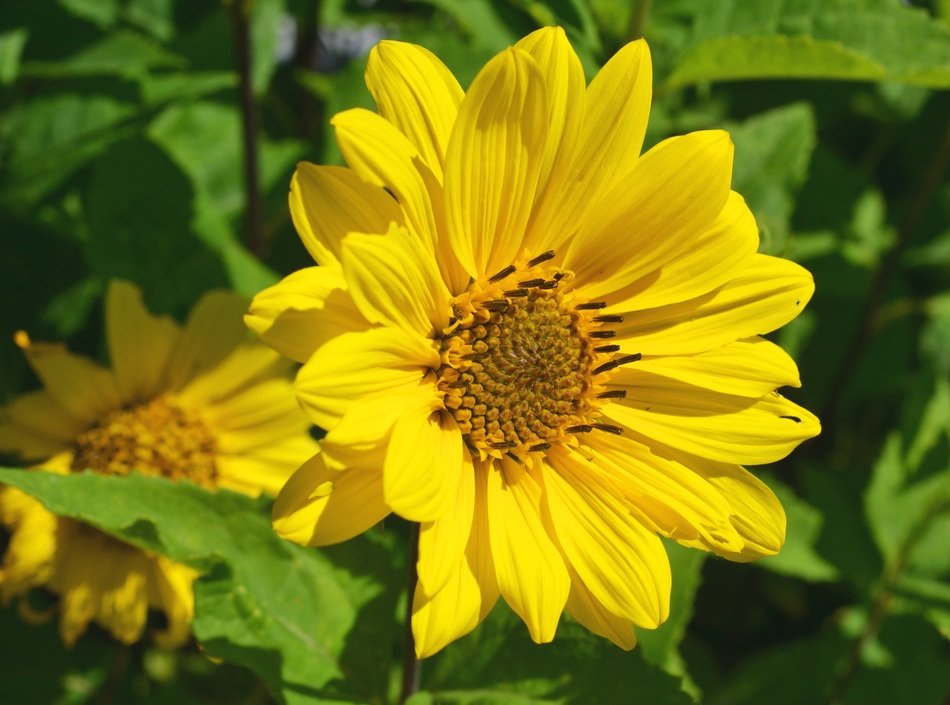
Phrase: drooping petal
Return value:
(395, 281)
(328, 202)
(83, 388)
(713, 425)
(41, 414)
(587, 609)
(355, 365)
(319, 506)
(766, 295)
(715, 255)
(531, 573)
(495, 155)
(750, 368)
(28, 557)
(415, 92)
(620, 560)
(651, 215)
(614, 123)
(442, 542)
(424, 463)
(213, 330)
(139, 343)
(303, 311)
(171, 590)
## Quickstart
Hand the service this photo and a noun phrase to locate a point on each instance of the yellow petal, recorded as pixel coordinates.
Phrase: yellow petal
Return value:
(171, 591)
(246, 365)
(649, 216)
(214, 328)
(615, 112)
(355, 365)
(766, 295)
(318, 506)
(415, 92)
(39, 413)
(530, 569)
(586, 609)
(622, 562)
(395, 281)
(494, 158)
(139, 343)
(28, 558)
(424, 464)
(716, 254)
(442, 542)
(713, 425)
(750, 368)
(564, 78)
(327, 202)
(303, 311)
(79, 385)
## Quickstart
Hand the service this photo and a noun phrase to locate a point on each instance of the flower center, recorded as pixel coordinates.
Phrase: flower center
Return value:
(155, 438)
(522, 362)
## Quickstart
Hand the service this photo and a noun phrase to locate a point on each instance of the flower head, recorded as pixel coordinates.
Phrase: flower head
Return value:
(195, 403)
(537, 342)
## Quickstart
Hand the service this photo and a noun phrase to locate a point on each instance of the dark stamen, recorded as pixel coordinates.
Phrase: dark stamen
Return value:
(513, 293)
(591, 306)
(609, 428)
(602, 334)
(475, 355)
(606, 367)
(628, 358)
(497, 305)
(531, 282)
(559, 276)
(583, 428)
(609, 319)
(612, 394)
(540, 446)
(607, 348)
(514, 457)
(543, 257)
(502, 444)
(791, 418)
(503, 273)
(550, 284)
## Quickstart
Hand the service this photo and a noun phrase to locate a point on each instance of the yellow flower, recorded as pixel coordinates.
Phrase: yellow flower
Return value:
(195, 403)
(539, 344)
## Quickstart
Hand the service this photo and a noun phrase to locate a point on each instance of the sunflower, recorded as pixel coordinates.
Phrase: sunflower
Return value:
(536, 342)
(196, 403)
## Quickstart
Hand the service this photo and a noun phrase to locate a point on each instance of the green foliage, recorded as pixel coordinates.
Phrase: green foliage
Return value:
(121, 155)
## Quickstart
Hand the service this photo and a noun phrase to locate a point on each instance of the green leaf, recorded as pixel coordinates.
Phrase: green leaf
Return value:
(827, 39)
(498, 663)
(799, 556)
(773, 152)
(661, 646)
(46, 140)
(11, 46)
(103, 13)
(121, 53)
(265, 25)
(314, 625)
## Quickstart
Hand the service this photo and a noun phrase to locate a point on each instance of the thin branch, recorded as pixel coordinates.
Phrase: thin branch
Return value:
(410, 664)
(240, 13)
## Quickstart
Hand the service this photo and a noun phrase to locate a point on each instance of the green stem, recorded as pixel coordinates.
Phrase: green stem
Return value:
(411, 668)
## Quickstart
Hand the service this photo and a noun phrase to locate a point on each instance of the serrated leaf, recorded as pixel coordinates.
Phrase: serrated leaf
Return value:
(773, 152)
(286, 612)
(826, 39)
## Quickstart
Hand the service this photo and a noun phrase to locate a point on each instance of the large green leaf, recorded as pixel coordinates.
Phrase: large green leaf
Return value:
(316, 626)
(799, 556)
(874, 40)
(498, 664)
(11, 46)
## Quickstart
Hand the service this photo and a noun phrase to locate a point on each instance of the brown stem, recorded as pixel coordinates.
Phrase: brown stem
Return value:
(882, 279)
(240, 12)
(308, 48)
(411, 668)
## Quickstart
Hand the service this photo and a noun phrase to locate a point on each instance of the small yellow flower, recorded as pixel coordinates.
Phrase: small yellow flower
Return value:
(535, 341)
(195, 403)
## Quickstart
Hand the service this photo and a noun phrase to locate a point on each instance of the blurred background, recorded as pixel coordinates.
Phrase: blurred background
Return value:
(153, 140)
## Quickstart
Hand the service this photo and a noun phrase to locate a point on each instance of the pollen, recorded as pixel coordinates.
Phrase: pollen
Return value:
(522, 362)
(157, 438)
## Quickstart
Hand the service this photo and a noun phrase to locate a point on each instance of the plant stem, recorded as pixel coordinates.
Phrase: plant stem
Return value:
(254, 229)
(410, 664)
(638, 18)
